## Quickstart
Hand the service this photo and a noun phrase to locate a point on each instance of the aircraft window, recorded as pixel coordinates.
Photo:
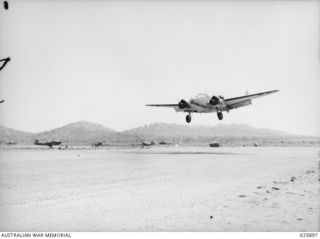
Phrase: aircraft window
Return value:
(201, 95)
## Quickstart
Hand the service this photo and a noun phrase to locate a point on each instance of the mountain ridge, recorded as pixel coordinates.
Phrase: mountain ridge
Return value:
(83, 132)
(217, 130)
(78, 132)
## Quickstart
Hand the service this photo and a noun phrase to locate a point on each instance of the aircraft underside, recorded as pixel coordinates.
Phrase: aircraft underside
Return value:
(202, 109)
(188, 116)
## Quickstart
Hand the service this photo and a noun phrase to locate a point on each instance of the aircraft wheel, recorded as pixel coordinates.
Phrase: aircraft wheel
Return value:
(188, 118)
(220, 115)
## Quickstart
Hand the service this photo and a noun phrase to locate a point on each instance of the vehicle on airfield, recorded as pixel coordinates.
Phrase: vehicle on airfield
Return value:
(203, 103)
(214, 144)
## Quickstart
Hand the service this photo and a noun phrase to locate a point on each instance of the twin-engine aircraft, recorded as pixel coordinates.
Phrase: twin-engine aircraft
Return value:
(204, 103)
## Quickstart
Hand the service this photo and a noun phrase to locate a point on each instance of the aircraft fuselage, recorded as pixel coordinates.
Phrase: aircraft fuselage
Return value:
(201, 104)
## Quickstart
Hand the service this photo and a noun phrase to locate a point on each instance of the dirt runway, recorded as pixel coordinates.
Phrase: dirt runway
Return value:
(160, 189)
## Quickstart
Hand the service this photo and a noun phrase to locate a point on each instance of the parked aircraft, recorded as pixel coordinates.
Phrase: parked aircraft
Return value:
(146, 144)
(50, 143)
(97, 144)
(203, 103)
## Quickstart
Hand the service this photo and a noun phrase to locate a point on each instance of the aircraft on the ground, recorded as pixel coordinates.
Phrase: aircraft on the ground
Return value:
(50, 144)
(203, 103)
(146, 144)
(97, 144)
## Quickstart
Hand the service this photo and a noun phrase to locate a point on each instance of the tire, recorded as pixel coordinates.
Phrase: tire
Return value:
(188, 118)
(220, 115)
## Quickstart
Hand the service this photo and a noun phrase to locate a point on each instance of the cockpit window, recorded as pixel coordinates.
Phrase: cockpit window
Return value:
(201, 95)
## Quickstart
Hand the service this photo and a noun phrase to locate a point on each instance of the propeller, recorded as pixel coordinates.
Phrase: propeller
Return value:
(183, 104)
(214, 100)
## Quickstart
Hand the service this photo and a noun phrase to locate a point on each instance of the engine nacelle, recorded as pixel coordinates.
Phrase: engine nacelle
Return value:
(183, 104)
(214, 100)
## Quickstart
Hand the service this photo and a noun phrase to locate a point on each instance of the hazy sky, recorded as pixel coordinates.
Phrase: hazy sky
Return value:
(102, 61)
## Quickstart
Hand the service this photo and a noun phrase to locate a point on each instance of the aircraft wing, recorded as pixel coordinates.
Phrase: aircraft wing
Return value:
(245, 100)
(164, 105)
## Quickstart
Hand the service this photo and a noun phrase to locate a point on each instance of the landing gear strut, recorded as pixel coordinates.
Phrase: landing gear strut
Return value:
(220, 115)
(188, 118)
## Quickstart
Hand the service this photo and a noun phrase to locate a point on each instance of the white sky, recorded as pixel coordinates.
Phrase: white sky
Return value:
(102, 61)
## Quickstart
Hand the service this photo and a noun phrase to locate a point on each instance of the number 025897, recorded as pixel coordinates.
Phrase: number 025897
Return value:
(309, 234)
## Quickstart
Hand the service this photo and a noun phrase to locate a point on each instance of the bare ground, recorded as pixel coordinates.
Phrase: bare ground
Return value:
(160, 189)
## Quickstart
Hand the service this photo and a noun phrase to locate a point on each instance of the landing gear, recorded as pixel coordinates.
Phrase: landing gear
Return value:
(220, 115)
(188, 118)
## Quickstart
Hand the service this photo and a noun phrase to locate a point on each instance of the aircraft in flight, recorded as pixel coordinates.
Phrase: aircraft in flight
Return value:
(203, 103)
(5, 61)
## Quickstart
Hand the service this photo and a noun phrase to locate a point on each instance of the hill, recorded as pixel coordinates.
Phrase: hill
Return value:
(226, 134)
(78, 132)
(196, 131)
(87, 133)
(12, 135)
